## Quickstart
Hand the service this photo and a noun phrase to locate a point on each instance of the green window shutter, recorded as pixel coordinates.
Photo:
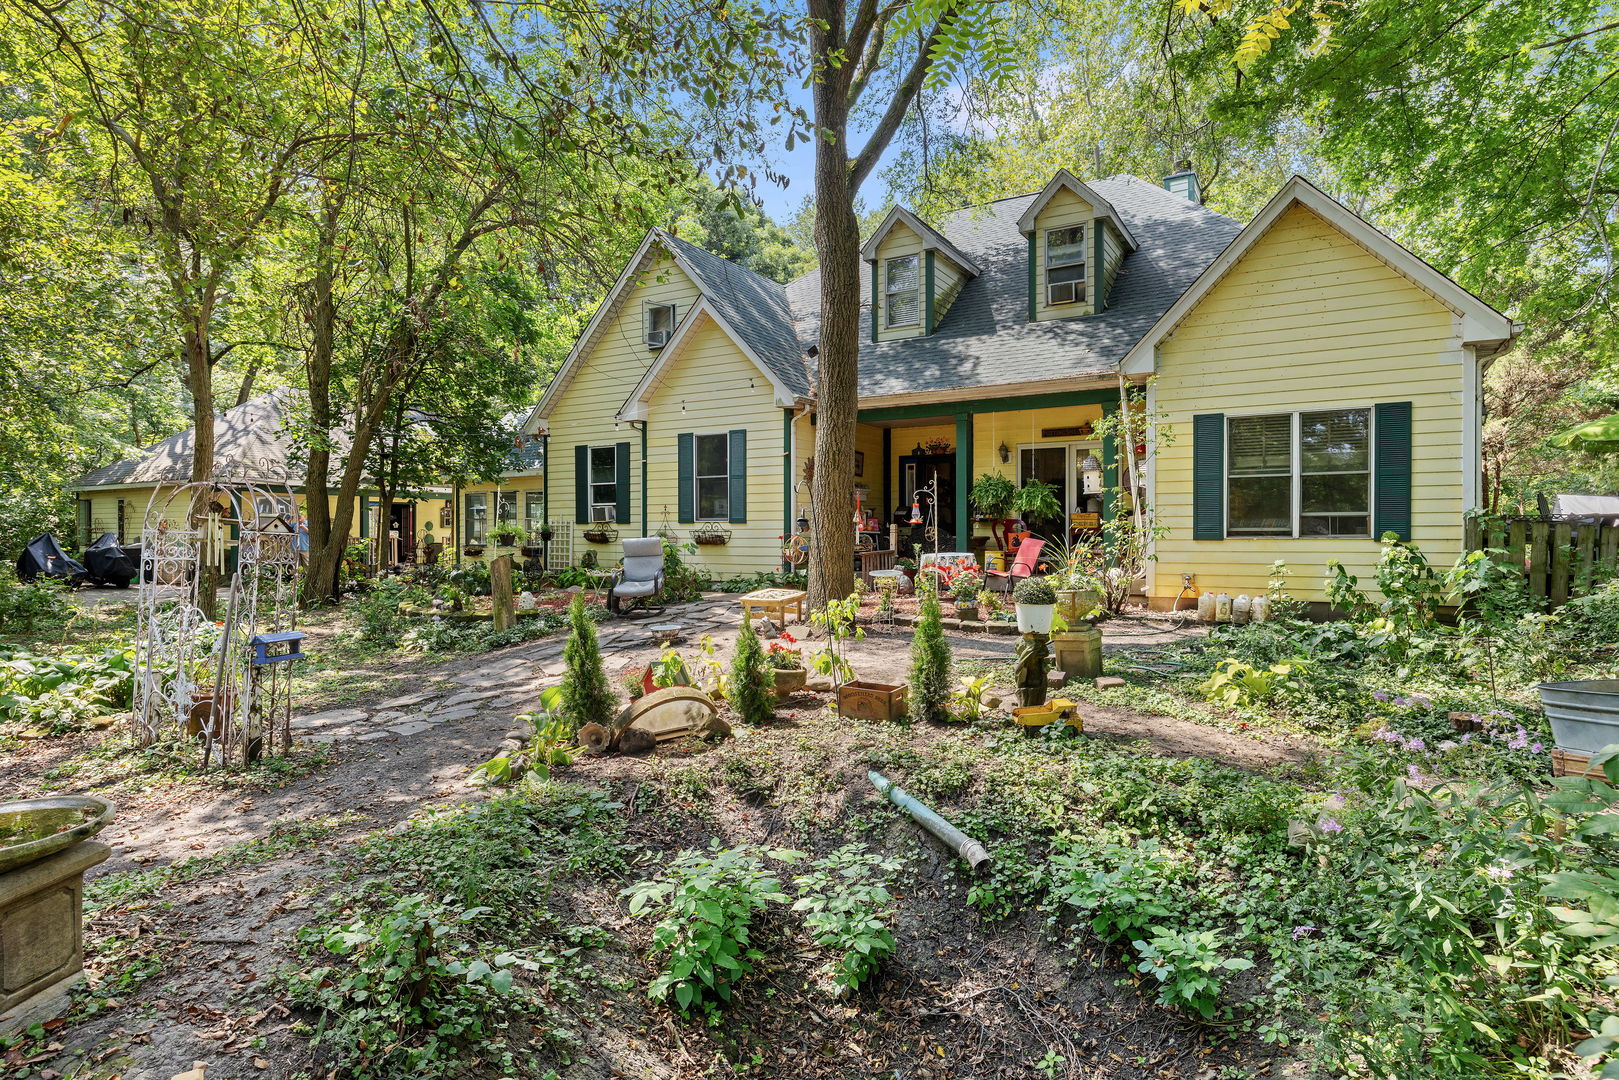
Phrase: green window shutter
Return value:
(687, 454)
(1208, 476)
(1391, 480)
(1099, 267)
(874, 299)
(1032, 290)
(581, 484)
(927, 285)
(623, 486)
(738, 458)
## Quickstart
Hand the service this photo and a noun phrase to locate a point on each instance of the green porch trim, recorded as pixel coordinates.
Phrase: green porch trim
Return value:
(644, 530)
(1110, 463)
(927, 284)
(458, 522)
(545, 477)
(1002, 404)
(1033, 295)
(964, 473)
(888, 477)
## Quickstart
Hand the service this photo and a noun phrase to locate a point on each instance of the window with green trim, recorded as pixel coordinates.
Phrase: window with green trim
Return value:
(477, 517)
(712, 477)
(604, 483)
(1065, 265)
(902, 290)
(1299, 474)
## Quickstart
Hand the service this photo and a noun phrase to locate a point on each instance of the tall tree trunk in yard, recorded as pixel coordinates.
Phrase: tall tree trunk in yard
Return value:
(199, 380)
(320, 576)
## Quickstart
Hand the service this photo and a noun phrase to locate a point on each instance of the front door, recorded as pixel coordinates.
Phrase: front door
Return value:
(1050, 465)
(921, 478)
(402, 523)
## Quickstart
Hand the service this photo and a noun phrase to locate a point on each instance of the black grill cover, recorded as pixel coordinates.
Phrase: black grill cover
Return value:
(44, 555)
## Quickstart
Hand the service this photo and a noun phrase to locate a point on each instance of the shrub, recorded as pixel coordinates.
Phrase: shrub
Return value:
(706, 903)
(752, 679)
(1188, 968)
(681, 580)
(378, 610)
(25, 607)
(587, 696)
(56, 692)
(930, 665)
(847, 900)
(1034, 591)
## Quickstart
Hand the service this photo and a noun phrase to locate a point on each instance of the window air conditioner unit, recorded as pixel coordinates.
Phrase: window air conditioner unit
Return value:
(603, 513)
(657, 339)
(1063, 292)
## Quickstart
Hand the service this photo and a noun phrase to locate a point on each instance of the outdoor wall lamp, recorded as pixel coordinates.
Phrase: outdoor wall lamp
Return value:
(1006, 454)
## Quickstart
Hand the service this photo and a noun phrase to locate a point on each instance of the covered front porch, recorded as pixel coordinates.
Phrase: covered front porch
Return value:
(915, 465)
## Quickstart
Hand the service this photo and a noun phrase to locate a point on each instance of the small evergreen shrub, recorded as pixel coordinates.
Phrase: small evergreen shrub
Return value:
(587, 696)
(930, 664)
(752, 685)
(1034, 591)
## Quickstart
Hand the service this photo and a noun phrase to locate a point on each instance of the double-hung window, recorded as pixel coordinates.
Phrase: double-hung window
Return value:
(604, 483)
(477, 517)
(505, 510)
(534, 511)
(1303, 474)
(902, 288)
(712, 477)
(1065, 265)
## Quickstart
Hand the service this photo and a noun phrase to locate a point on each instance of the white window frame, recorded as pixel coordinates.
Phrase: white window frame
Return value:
(475, 534)
(1051, 265)
(657, 339)
(889, 292)
(533, 511)
(1295, 463)
(697, 476)
(602, 511)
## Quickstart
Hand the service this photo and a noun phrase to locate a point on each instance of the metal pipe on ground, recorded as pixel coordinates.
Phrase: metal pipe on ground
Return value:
(962, 844)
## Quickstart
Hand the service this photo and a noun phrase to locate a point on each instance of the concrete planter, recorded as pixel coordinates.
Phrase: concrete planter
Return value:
(789, 681)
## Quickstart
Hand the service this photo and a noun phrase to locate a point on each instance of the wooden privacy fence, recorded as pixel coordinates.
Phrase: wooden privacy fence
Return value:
(1560, 558)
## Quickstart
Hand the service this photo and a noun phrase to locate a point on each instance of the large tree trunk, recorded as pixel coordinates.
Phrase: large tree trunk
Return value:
(837, 243)
(320, 576)
(199, 369)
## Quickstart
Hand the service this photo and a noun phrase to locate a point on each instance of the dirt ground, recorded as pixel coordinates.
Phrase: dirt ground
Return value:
(961, 998)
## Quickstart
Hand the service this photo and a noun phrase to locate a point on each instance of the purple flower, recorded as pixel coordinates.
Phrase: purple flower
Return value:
(1328, 824)
(1467, 737)
(1414, 773)
(1498, 872)
(1402, 702)
(1519, 741)
(1389, 736)
(1536, 748)
(1337, 802)
(1378, 695)
(1416, 744)
(1300, 931)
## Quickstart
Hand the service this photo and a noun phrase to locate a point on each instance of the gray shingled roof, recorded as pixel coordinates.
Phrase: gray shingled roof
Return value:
(250, 444)
(985, 338)
(753, 306)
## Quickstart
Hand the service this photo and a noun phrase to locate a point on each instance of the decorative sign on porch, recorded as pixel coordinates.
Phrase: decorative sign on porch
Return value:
(1079, 431)
(1085, 521)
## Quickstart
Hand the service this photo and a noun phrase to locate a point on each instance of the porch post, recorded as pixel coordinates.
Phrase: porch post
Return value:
(645, 529)
(786, 487)
(964, 478)
(888, 479)
(1110, 463)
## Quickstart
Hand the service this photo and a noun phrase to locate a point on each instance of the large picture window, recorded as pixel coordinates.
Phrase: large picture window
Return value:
(1307, 474)
(1065, 265)
(713, 477)
(902, 287)
(604, 483)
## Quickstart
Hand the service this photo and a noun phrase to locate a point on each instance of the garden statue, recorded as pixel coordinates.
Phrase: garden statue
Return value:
(1033, 661)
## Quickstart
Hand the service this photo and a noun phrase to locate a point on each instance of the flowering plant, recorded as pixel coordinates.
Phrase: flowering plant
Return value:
(782, 656)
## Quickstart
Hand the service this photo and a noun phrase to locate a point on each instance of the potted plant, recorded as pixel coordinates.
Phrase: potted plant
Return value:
(788, 664)
(987, 604)
(473, 549)
(454, 596)
(1036, 603)
(509, 535)
(907, 565)
(1037, 499)
(546, 533)
(964, 589)
(992, 495)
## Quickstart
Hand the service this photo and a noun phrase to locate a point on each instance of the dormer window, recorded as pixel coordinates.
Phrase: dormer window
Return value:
(660, 324)
(902, 291)
(1065, 265)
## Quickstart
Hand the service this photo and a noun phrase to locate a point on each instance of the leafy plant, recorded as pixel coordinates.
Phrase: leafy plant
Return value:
(1037, 499)
(993, 496)
(1188, 967)
(27, 606)
(929, 694)
(587, 696)
(752, 680)
(847, 902)
(550, 745)
(837, 618)
(706, 903)
(967, 701)
(1237, 685)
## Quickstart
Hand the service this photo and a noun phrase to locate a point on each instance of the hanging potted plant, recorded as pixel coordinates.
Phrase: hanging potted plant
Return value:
(992, 495)
(1036, 500)
(1036, 603)
(601, 534)
(711, 533)
(509, 535)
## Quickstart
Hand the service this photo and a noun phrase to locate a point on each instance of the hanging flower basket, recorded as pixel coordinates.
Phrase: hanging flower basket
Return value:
(601, 534)
(473, 550)
(711, 533)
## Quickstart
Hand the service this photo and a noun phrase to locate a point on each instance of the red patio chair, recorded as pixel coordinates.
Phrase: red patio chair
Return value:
(1023, 564)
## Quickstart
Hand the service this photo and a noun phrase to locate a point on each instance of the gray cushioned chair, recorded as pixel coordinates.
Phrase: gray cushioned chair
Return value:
(640, 579)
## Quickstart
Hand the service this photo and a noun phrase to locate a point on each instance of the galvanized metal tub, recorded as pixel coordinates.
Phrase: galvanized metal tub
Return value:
(1584, 714)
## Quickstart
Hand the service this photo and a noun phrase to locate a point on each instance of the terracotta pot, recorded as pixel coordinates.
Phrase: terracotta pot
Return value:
(203, 714)
(789, 681)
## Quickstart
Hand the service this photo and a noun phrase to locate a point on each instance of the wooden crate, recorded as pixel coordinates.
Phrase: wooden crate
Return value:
(1575, 763)
(872, 700)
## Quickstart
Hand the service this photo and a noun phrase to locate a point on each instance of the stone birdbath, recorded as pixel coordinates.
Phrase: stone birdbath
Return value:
(45, 848)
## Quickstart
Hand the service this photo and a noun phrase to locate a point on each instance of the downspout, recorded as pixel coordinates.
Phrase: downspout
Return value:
(642, 424)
